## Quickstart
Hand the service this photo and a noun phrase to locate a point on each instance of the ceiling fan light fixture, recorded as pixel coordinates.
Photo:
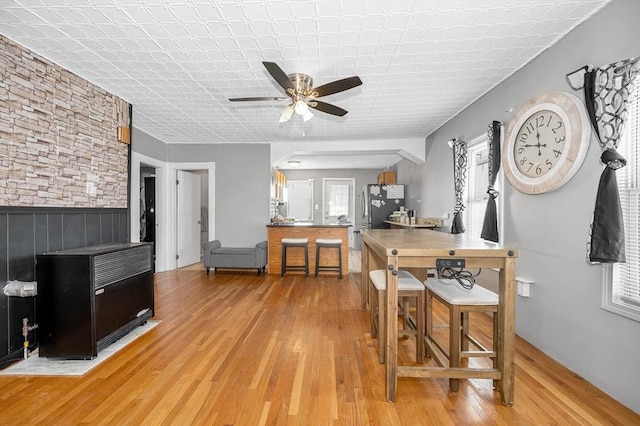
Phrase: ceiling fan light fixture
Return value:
(286, 114)
(299, 88)
(301, 108)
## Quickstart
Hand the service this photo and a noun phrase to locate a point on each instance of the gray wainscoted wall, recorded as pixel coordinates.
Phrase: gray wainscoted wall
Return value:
(563, 316)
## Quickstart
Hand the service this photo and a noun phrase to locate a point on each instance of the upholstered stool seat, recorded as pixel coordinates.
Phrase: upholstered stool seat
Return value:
(460, 303)
(329, 243)
(408, 287)
(295, 242)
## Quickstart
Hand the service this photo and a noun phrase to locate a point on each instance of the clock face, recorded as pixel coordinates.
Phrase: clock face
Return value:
(540, 144)
(546, 142)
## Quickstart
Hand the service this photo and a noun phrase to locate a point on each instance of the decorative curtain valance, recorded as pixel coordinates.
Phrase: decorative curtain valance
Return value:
(490, 223)
(459, 177)
(607, 91)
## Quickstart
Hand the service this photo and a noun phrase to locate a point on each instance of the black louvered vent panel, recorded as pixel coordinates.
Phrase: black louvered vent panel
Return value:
(119, 265)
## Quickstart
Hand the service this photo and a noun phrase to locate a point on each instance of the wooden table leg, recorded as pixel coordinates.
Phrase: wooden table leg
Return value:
(391, 328)
(506, 331)
(364, 276)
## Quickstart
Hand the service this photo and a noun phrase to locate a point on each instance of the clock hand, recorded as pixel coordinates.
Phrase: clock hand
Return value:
(538, 137)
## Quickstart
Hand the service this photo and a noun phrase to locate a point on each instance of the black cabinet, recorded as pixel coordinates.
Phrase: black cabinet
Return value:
(90, 297)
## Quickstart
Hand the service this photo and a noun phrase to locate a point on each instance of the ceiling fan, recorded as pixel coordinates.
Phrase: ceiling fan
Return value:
(300, 91)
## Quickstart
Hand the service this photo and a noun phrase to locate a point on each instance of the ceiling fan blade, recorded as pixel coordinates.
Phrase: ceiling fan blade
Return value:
(279, 75)
(337, 86)
(328, 108)
(269, 98)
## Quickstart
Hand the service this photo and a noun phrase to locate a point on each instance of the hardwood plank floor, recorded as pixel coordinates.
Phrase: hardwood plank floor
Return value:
(234, 348)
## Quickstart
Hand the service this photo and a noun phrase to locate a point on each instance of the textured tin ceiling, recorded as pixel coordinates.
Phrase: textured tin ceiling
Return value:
(178, 61)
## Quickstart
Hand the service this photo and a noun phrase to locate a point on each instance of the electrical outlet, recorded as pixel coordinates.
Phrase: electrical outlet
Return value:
(91, 188)
(449, 263)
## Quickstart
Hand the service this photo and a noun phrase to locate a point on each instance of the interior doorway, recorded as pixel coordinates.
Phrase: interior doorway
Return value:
(188, 211)
(204, 210)
(166, 222)
(300, 200)
(147, 208)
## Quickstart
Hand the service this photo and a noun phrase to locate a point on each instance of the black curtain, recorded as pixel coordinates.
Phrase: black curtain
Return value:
(459, 177)
(607, 91)
(490, 223)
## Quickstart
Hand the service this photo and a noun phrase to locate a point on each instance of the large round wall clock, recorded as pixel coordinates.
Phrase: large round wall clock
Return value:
(546, 142)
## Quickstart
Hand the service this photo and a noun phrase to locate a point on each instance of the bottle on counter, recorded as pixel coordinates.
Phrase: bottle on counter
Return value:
(412, 217)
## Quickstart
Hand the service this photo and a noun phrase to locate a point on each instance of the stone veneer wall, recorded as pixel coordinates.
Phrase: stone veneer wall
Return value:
(58, 143)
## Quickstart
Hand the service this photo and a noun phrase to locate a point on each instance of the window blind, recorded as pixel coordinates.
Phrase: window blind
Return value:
(338, 200)
(626, 276)
(478, 173)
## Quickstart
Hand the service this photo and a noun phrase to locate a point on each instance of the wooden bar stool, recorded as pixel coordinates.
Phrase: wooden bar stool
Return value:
(295, 242)
(329, 243)
(408, 287)
(460, 302)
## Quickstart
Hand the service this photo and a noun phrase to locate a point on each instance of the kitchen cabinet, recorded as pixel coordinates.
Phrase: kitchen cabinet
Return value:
(280, 182)
(387, 177)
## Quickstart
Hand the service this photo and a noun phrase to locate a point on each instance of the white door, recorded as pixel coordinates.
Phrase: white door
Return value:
(300, 200)
(339, 200)
(188, 218)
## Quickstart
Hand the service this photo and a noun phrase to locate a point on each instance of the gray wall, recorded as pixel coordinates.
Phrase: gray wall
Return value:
(408, 173)
(148, 145)
(243, 179)
(562, 317)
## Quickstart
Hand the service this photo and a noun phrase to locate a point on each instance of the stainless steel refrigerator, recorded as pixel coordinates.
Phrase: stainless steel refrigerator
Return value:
(378, 202)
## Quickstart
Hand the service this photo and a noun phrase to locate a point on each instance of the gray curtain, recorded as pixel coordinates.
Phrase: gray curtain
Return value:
(607, 91)
(459, 177)
(490, 223)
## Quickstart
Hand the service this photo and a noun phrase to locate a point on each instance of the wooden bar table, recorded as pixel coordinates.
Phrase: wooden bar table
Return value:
(398, 225)
(394, 249)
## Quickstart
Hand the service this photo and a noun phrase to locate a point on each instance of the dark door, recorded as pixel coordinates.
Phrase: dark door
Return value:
(150, 209)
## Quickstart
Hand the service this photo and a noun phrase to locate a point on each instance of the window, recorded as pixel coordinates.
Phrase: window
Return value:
(338, 200)
(621, 290)
(476, 191)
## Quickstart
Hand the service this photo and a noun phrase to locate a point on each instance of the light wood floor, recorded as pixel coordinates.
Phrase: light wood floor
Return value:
(237, 349)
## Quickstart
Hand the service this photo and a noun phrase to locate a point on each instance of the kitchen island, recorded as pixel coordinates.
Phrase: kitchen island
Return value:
(276, 232)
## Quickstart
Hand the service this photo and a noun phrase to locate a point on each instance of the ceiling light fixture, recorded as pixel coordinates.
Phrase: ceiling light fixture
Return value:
(300, 107)
(307, 116)
(286, 113)
(303, 109)
(299, 88)
(294, 164)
